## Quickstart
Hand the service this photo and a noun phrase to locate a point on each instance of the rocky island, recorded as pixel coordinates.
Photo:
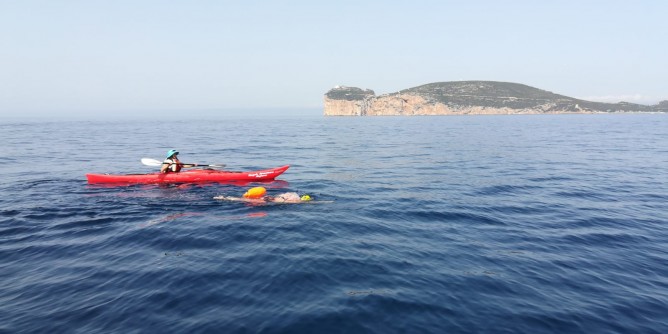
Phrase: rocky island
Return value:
(467, 98)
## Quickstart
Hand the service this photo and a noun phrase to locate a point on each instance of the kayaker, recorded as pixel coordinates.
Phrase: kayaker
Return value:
(172, 163)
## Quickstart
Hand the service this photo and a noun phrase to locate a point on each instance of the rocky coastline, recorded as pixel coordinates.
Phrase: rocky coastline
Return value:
(467, 98)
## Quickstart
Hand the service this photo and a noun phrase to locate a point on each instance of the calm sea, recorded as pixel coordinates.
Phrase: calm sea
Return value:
(478, 224)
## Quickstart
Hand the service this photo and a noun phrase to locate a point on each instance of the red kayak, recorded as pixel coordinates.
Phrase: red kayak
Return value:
(190, 176)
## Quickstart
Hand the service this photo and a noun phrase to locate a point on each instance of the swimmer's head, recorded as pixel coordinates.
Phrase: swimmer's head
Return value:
(305, 198)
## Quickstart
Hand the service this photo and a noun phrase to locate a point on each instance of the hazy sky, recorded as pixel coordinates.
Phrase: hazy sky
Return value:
(134, 56)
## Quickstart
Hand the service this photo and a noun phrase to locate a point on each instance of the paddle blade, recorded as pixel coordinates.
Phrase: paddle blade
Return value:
(150, 162)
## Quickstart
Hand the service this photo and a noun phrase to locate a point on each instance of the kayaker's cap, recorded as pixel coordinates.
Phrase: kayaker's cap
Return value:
(171, 153)
(305, 198)
(256, 192)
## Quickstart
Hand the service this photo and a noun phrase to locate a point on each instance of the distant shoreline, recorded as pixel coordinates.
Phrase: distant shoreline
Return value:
(468, 98)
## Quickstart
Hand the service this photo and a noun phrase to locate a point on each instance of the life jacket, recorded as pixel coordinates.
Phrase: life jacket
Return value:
(173, 165)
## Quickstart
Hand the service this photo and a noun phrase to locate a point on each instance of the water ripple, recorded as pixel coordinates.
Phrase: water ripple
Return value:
(550, 224)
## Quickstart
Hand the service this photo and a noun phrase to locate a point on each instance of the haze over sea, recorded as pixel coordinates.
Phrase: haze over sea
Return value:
(496, 224)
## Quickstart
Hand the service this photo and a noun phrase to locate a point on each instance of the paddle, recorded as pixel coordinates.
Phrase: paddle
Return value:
(156, 163)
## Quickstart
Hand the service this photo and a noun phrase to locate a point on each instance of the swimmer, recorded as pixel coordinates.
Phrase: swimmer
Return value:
(287, 198)
(258, 195)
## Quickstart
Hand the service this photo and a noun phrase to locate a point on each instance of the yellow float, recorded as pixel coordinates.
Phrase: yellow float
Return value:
(256, 192)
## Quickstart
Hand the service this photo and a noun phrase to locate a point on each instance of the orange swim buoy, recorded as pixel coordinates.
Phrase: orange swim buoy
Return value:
(256, 192)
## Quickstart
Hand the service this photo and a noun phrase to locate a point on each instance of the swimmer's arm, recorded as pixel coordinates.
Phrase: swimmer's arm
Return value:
(239, 199)
(228, 198)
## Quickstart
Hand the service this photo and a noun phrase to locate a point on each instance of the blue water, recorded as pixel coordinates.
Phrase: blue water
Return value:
(496, 224)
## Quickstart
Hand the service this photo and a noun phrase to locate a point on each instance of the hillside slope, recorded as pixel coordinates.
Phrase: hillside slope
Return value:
(466, 97)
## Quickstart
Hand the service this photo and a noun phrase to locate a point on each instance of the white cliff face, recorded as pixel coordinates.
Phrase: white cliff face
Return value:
(342, 107)
(346, 101)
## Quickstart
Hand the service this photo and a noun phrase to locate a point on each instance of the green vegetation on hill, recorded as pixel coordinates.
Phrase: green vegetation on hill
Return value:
(349, 93)
(492, 89)
(509, 95)
(662, 106)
